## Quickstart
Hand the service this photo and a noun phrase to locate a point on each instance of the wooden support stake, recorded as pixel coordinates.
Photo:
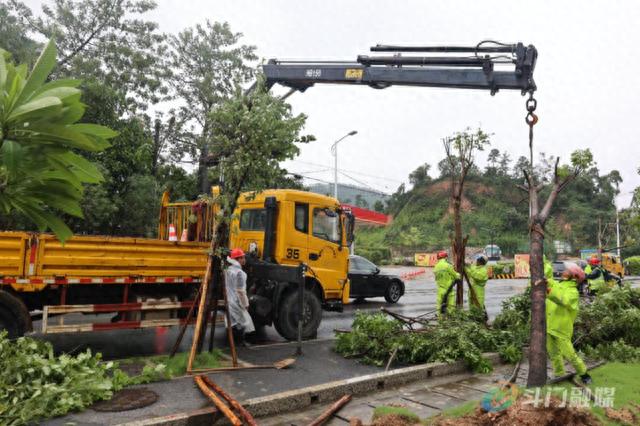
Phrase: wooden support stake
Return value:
(201, 312)
(221, 406)
(183, 329)
(248, 418)
(325, 416)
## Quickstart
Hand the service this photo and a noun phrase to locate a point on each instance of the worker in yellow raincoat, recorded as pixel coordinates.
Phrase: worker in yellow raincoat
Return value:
(446, 277)
(478, 277)
(561, 311)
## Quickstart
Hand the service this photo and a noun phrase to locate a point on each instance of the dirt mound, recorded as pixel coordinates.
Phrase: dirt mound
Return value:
(525, 414)
(624, 416)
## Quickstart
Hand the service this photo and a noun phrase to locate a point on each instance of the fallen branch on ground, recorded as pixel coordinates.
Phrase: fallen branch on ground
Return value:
(325, 416)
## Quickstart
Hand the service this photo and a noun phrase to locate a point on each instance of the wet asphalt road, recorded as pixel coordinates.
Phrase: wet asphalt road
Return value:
(419, 298)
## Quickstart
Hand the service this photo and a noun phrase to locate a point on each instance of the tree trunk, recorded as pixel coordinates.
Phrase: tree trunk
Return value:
(458, 245)
(204, 186)
(538, 340)
(156, 149)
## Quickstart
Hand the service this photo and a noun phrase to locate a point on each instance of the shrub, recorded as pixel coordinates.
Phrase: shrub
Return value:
(632, 265)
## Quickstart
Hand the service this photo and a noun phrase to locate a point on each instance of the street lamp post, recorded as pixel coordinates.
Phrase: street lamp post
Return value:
(334, 151)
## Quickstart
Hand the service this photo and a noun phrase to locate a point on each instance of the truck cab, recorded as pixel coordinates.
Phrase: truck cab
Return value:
(280, 229)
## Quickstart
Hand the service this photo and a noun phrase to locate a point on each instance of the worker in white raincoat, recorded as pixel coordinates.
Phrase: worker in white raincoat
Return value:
(237, 300)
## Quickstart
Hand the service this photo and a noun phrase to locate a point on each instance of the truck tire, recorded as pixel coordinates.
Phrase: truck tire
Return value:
(393, 293)
(287, 322)
(14, 315)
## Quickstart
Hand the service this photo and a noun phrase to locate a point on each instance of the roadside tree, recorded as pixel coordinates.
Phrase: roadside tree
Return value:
(460, 150)
(208, 66)
(552, 178)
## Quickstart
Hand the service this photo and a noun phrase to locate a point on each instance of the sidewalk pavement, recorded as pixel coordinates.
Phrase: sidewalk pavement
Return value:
(319, 364)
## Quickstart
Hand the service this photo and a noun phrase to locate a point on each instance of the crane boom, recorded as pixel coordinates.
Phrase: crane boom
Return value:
(477, 70)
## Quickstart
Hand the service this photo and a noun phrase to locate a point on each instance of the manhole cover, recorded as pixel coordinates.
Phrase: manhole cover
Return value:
(127, 399)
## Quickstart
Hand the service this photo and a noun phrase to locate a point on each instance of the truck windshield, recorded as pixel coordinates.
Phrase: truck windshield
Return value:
(326, 225)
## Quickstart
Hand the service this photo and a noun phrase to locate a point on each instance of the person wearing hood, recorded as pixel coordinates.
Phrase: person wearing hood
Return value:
(446, 278)
(237, 300)
(561, 311)
(478, 277)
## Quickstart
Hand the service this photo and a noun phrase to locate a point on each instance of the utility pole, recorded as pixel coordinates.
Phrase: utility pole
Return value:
(600, 239)
(618, 232)
(334, 151)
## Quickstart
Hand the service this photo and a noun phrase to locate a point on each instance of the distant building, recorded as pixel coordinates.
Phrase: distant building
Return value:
(366, 217)
(351, 194)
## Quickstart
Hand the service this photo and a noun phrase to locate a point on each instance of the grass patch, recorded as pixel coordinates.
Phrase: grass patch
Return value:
(173, 367)
(453, 412)
(397, 411)
(625, 378)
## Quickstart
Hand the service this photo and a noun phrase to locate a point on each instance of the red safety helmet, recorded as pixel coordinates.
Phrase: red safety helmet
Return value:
(594, 261)
(442, 254)
(236, 253)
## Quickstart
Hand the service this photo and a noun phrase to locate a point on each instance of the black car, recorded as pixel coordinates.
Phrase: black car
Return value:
(367, 281)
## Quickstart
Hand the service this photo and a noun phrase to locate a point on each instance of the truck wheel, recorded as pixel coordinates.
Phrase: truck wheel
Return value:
(287, 322)
(14, 315)
(393, 293)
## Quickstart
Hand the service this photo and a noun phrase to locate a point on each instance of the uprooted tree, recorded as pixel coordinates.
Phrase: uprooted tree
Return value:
(250, 135)
(460, 149)
(538, 215)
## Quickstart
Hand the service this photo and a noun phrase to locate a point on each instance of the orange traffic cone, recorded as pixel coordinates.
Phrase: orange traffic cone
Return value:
(172, 233)
(184, 237)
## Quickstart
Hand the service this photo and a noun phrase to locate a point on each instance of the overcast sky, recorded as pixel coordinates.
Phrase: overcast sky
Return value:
(587, 77)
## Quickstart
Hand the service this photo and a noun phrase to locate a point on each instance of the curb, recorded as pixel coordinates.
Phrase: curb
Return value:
(327, 392)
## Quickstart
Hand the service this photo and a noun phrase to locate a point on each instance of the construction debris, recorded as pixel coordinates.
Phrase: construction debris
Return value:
(522, 412)
(331, 411)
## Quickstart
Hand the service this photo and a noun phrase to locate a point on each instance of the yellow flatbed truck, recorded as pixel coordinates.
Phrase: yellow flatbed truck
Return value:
(97, 274)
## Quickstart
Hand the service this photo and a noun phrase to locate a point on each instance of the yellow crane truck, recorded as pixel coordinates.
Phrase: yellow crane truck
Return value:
(138, 279)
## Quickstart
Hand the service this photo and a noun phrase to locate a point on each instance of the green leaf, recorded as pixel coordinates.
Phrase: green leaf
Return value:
(95, 130)
(66, 135)
(66, 94)
(61, 173)
(72, 113)
(12, 154)
(81, 167)
(61, 202)
(37, 107)
(41, 70)
(64, 82)
(57, 226)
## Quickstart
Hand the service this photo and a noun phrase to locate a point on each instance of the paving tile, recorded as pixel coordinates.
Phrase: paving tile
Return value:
(359, 409)
(412, 405)
(434, 400)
